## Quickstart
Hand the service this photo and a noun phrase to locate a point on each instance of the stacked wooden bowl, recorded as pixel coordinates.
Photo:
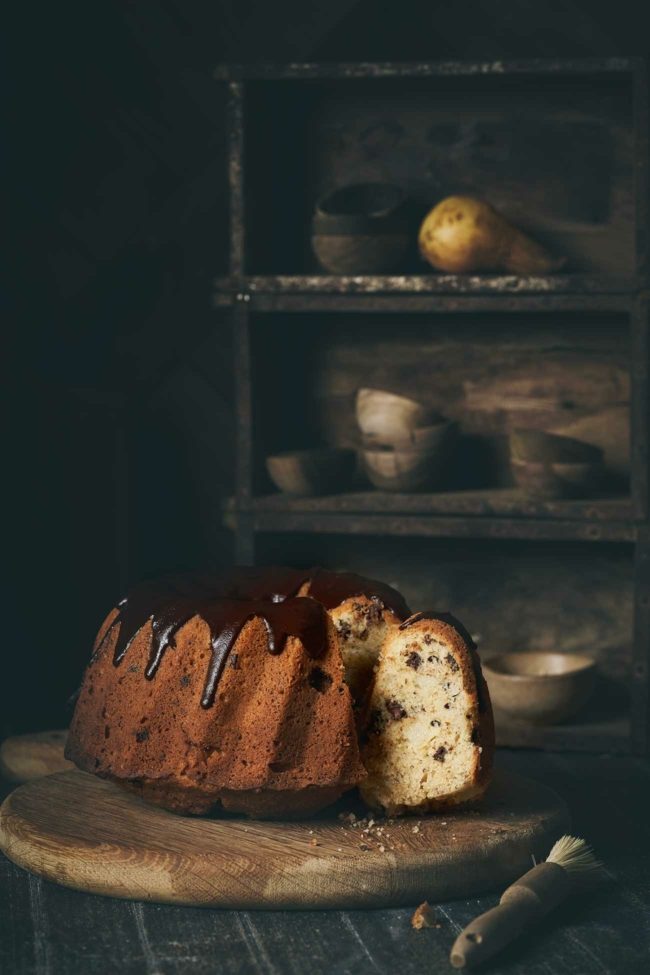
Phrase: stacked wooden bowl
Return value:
(309, 473)
(406, 446)
(546, 465)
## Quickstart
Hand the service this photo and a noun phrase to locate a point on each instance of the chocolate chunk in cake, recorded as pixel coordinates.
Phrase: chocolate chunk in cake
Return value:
(395, 710)
(413, 660)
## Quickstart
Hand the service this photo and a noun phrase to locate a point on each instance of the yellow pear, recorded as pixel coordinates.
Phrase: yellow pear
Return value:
(463, 234)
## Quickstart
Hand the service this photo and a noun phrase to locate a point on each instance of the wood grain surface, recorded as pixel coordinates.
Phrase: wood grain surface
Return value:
(88, 834)
(47, 929)
(26, 757)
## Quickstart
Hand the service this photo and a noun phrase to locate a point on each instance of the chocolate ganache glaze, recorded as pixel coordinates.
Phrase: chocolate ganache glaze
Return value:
(226, 601)
(329, 588)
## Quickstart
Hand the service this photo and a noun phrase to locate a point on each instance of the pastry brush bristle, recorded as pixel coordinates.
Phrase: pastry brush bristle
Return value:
(573, 855)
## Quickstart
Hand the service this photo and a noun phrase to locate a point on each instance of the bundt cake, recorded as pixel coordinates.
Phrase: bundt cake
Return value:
(430, 734)
(228, 691)
(250, 690)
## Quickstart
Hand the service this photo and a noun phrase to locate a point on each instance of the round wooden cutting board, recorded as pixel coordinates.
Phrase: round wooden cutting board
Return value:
(26, 757)
(79, 831)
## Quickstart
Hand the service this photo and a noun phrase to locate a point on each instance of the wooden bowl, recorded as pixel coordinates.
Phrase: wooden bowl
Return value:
(554, 481)
(546, 465)
(322, 470)
(429, 439)
(387, 418)
(391, 469)
(361, 229)
(540, 446)
(539, 688)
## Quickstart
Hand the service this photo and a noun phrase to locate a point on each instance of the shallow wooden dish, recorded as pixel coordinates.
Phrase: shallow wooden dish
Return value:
(25, 757)
(312, 472)
(539, 688)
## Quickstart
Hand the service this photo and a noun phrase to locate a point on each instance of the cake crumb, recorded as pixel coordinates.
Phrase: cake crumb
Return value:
(314, 842)
(348, 817)
(424, 917)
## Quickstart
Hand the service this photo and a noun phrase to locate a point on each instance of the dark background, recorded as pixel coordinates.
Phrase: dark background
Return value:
(117, 187)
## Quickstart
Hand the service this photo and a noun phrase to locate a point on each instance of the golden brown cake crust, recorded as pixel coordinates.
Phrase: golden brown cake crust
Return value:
(279, 739)
(226, 690)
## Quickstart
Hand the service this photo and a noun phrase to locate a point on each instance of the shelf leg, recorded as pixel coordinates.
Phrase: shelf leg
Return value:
(641, 653)
(244, 540)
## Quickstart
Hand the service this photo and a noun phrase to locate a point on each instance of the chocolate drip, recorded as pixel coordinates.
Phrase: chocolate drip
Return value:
(272, 583)
(226, 601)
(451, 620)
(172, 602)
(329, 588)
(161, 603)
(333, 588)
(299, 617)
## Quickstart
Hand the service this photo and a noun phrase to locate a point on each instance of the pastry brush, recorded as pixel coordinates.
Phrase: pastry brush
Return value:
(525, 902)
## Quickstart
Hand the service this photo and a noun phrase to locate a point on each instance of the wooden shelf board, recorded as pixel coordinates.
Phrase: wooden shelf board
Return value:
(427, 525)
(491, 503)
(608, 735)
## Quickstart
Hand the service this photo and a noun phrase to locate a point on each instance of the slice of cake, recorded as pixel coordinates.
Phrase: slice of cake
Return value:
(362, 623)
(430, 733)
(363, 611)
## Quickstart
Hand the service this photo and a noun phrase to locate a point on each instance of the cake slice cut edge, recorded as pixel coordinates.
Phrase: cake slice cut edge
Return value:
(362, 624)
(430, 733)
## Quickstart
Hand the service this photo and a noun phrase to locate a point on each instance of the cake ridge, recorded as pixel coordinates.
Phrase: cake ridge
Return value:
(226, 601)
(296, 616)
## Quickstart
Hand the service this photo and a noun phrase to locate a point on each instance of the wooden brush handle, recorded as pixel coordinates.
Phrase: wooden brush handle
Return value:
(522, 904)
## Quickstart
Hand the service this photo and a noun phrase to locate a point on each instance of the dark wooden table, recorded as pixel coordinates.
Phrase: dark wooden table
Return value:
(47, 929)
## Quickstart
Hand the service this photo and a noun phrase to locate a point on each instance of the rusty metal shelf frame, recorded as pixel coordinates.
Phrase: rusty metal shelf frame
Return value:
(322, 286)
(427, 303)
(426, 69)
